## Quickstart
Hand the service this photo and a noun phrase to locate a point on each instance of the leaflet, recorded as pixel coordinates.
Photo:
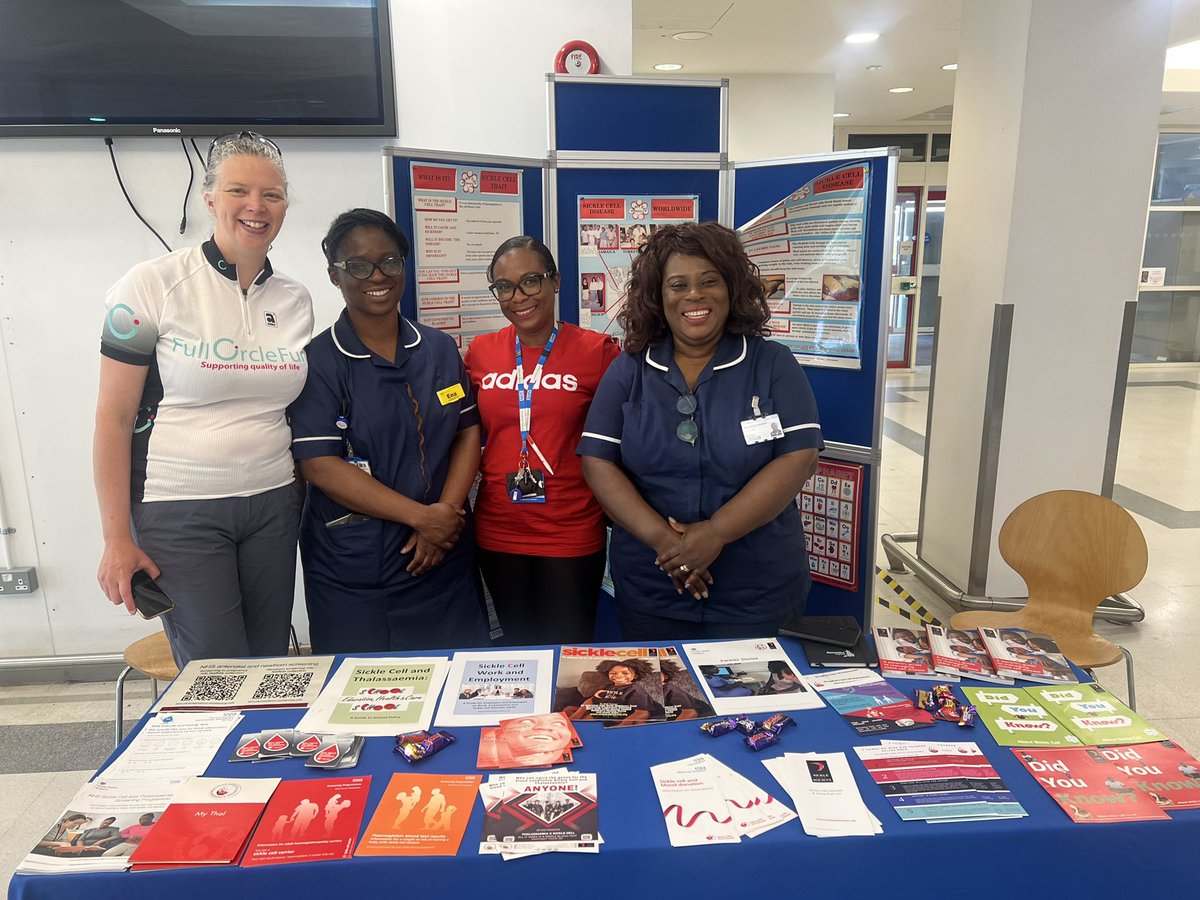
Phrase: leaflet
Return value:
(101, 826)
(1027, 655)
(528, 742)
(371, 697)
(939, 781)
(692, 804)
(1015, 720)
(1163, 771)
(747, 677)
(420, 815)
(208, 822)
(171, 745)
(959, 652)
(282, 682)
(1094, 715)
(484, 687)
(1087, 787)
(555, 810)
(703, 801)
(904, 653)
(309, 820)
(825, 794)
(622, 685)
(868, 702)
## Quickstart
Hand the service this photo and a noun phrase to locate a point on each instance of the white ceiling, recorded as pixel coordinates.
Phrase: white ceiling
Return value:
(806, 37)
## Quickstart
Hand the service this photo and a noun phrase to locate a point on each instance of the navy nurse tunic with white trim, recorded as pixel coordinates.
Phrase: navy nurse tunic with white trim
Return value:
(406, 439)
(632, 423)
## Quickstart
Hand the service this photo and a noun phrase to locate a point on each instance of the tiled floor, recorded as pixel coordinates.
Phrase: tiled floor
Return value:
(53, 736)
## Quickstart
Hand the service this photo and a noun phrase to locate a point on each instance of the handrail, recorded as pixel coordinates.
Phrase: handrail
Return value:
(1119, 608)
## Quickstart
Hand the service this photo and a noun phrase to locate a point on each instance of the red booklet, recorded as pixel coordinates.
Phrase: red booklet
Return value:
(1089, 787)
(207, 823)
(309, 820)
(1162, 770)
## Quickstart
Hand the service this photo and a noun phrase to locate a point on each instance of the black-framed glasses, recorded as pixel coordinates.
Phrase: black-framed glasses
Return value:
(362, 269)
(238, 136)
(530, 285)
(687, 430)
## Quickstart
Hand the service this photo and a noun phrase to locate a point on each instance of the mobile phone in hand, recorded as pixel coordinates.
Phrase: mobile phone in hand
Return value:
(151, 600)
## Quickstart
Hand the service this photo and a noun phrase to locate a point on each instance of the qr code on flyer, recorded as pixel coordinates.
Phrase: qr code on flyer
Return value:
(213, 688)
(283, 685)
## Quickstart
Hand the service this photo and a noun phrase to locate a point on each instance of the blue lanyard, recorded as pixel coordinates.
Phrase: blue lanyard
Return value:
(525, 390)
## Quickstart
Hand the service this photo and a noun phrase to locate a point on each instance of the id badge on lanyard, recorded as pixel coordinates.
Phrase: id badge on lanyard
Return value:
(527, 485)
(343, 426)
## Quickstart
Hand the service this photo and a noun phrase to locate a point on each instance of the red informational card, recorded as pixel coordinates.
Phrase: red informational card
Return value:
(420, 815)
(309, 820)
(528, 742)
(1087, 786)
(1163, 771)
(208, 823)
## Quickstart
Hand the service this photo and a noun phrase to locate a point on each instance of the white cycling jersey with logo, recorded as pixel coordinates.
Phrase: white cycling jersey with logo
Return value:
(223, 368)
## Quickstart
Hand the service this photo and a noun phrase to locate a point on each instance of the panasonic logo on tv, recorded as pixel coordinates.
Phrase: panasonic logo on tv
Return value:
(156, 130)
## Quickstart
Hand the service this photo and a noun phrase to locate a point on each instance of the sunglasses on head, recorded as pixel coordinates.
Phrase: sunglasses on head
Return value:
(239, 136)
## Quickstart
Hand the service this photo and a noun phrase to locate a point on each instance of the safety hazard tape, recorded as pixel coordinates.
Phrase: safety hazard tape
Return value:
(911, 608)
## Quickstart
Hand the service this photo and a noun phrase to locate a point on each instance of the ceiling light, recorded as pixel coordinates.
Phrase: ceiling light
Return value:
(900, 90)
(691, 35)
(874, 68)
(951, 67)
(1185, 56)
(841, 115)
(668, 67)
(862, 37)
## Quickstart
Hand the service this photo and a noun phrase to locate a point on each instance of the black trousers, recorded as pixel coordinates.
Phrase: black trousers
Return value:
(543, 599)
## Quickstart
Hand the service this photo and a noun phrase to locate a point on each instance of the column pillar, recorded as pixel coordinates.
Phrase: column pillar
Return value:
(1055, 121)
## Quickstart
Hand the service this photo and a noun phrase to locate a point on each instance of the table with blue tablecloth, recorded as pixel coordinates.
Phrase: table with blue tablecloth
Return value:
(1044, 855)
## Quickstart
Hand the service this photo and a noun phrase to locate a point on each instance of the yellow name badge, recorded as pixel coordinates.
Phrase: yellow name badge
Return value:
(450, 394)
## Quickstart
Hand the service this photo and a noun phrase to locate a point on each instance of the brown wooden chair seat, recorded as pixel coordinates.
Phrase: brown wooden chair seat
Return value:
(151, 656)
(1073, 549)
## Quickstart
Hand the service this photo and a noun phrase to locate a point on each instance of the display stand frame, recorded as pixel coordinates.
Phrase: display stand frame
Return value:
(661, 156)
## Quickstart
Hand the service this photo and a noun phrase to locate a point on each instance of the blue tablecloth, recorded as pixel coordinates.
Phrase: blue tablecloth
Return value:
(1042, 856)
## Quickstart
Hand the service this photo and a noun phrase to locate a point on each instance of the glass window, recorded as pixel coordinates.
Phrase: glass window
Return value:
(931, 260)
(1173, 243)
(912, 146)
(940, 150)
(1167, 327)
(1177, 170)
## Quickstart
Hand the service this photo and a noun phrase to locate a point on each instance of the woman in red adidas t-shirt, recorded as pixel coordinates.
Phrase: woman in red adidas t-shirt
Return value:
(539, 530)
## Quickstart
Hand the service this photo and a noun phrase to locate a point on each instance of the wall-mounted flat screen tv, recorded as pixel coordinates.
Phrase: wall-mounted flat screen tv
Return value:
(195, 67)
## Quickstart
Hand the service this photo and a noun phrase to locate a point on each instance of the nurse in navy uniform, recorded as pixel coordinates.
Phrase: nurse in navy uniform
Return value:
(386, 433)
(699, 438)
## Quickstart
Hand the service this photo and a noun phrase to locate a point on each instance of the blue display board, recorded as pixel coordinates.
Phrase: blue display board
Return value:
(400, 199)
(598, 115)
(849, 400)
(674, 144)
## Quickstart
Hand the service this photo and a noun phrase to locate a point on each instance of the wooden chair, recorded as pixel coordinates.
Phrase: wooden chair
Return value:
(1073, 549)
(152, 657)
